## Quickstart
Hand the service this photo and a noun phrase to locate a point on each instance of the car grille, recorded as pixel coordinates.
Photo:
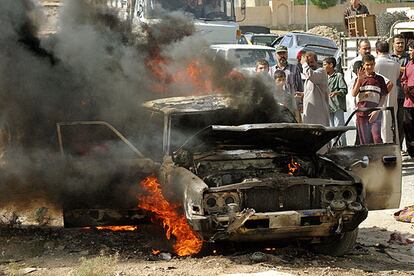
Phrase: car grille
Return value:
(299, 197)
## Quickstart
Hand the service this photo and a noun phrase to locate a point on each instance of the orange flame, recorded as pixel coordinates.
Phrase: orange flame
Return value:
(155, 252)
(187, 242)
(118, 228)
(193, 72)
(293, 167)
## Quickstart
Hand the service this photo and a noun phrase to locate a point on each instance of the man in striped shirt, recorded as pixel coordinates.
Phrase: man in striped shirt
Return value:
(370, 90)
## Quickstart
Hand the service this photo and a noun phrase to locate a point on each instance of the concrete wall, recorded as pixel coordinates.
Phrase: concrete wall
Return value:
(282, 14)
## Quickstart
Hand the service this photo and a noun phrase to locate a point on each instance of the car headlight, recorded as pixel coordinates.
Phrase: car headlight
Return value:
(218, 202)
(338, 193)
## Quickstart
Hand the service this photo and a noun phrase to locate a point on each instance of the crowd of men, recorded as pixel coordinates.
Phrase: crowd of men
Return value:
(317, 94)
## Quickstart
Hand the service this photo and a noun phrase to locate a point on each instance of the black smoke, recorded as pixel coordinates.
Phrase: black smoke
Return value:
(94, 68)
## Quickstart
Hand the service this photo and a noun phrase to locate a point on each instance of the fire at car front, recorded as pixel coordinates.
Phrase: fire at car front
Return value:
(264, 182)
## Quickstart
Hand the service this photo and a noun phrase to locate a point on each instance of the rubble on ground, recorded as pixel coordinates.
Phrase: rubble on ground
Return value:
(328, 32)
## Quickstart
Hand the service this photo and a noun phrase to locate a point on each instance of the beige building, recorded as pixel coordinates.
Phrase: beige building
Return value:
(283, 14)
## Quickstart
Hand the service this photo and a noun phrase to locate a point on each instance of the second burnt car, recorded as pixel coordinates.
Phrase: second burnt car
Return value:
(267, 181)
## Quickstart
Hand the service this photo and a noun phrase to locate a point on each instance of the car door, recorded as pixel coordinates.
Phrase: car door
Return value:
(102, 169)
(377, 165)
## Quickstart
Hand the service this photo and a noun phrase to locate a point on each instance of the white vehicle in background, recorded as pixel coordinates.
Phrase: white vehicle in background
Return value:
(215, 20)
(244, 56)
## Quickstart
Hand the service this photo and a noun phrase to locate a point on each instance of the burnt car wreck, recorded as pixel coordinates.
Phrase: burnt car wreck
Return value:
(266, 181)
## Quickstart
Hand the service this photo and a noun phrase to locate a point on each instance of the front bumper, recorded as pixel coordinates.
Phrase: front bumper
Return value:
(277, 225)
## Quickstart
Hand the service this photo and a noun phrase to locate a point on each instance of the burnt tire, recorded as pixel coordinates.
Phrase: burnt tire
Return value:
(338, 245)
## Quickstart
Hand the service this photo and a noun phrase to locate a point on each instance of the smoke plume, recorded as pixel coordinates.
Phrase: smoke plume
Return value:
(95, 68)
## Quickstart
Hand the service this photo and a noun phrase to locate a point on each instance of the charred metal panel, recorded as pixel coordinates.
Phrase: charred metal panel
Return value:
(381, 180)
(270, 200)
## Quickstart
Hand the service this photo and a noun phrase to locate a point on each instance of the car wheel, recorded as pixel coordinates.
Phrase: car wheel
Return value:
(338, 245)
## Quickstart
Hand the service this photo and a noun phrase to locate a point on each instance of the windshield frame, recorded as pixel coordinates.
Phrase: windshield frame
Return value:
(152, 9)
(270, 57)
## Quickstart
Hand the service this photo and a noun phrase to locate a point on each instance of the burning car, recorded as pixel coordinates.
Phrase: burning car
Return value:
(265, 180)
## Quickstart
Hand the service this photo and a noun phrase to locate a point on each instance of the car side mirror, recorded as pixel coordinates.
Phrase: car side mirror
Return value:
(364, 162)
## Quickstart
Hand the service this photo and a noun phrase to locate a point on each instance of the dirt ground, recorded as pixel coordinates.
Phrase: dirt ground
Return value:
(58, 251)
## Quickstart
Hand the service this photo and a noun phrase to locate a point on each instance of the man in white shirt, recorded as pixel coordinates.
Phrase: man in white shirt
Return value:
(389, 68)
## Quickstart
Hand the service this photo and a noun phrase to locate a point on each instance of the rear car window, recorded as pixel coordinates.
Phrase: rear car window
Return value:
(314, 40)
(248, 57)
(263, 40)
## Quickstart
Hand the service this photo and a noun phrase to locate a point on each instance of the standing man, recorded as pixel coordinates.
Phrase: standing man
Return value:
(400, 55)
(292, 72)
(316, 91)
(408, 85)
(370, 90)
(390, 69)
(338, 91)
(355, 8)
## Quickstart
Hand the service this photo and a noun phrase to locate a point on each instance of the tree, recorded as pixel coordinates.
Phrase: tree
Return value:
(324, 4)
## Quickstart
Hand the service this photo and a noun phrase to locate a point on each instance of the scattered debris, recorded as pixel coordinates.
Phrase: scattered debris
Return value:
(160, 256)
(264, 273)
(26, 270)
(164, 256)
(259, 257)
(380, 247)
(397, 238)
(405, 215)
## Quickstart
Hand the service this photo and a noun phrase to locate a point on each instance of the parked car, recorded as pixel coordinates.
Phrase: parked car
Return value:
(244, 56)
(298, 41)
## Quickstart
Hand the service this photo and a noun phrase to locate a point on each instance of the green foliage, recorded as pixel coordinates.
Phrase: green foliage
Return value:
(324, 4)
(384, 1)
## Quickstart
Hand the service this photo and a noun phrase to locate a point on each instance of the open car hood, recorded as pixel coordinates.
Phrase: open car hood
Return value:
(300, 138)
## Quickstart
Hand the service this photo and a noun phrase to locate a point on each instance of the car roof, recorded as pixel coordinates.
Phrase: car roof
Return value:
(265, 35)
(241, 46)
(309, 34)
(189, 104)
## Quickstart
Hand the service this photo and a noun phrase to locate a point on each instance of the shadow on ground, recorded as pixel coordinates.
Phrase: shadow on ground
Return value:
(408, 167)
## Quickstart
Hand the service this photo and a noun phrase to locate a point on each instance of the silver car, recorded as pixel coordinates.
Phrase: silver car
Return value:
(298, 41)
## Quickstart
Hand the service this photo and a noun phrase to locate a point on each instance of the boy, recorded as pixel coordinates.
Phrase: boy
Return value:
(337, 95)
(370, 90)
(262, 66)
(284, 94)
